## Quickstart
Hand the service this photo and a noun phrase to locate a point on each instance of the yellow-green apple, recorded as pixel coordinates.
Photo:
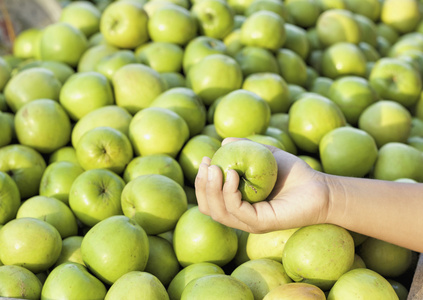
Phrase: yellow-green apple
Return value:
(198, 238)
(19, 282)
(264, 29)
(297, 40)
(416, 127)
(198, 48)
(304, 13)
(276, 6)
(239, 6)
(241, 253)
(135, 284)
(233, 42)
(372, 55)
(312, 75)
(296, 290)
(157, 130)
(348, 151)
(369, 8)
(186, 104)
(403, 16)
(358, 262)
(62, 42)
(161, 56)
(312, 162)
(9, 197)
(189, 273)
(72, 281)
(315, 59)
(61, 70)
(193, 152)
(71, 251)
(3, 104)
(96, 39)
(152, 6)
(114, 247)
(292, 67)
(362, 282)
(214, 76)
(162, 261)
(305, 254)
(218, 286)
(266, 140)
(173, 79)
(310, 118)
(43, 125)
(30, 243)
(386, 121)
(396, 80)
(109, 64)
(26, 167)
(337, 25)
(52, 211)
(261, 275)
(29, 85)
(66, 153)
(183, 3)
(321, 85)
(343, 59)
(368, 29)
(6, 134)
(283, 137)
(210, 130)
(255, 165)
(393, 155)
(313, 41)
(95, 195)
(353, 95)
(154, 201)
(280, 120)
(26, 43)
(93, 55)
(82, 15)
(253, 59)
(241, 113)
(5, 73)
(173, 24)
(104, 147)
(399, 288)
(136, 86)
(388, 32)
(124, 24)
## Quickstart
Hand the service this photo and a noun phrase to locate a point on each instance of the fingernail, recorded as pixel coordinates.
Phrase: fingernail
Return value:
(210, 173)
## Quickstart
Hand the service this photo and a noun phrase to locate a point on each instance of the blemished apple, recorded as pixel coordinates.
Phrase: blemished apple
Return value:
(9, 197)
(83, 15)
(71, 251)
(154, 201)
(19, 282)
(253, 59)
(255, 165)
(296, 290)
(114, 247)
(109, 64)
(161, 56)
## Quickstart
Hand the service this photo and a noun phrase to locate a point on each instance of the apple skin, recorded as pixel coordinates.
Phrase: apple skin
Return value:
(93, 55)
(254, 60)
(173, 79)
(5, 73)
(9, 197)
(95, 196)
(109, 64)
(156, 130)
(82, 15)
(61, 70)
(282, 137)
(124, 24)
(266, 140)
(296, 290)
(292, 67)
(30, 243)
(403, 16)
(161, 56)
(18, 282)
(72, 281)
(7, 127)
(297, 40)
(25, 44)
(66, 153)
(114, 247)
(154, 201)
(71, 251)
(26, 167)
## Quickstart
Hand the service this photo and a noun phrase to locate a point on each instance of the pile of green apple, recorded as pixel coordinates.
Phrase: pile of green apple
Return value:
(106, 115)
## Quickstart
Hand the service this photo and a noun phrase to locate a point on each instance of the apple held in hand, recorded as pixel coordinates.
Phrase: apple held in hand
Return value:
(255, 165)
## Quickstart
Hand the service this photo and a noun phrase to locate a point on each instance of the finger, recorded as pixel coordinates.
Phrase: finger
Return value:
(214, 191)
(200, 186)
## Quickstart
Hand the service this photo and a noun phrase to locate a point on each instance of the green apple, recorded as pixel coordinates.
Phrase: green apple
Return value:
(183, 3)
(9, 197)
(210, 130)
(253, 59)
(313, 40)
(114, 247)
(304, 13)
(266, 140)
(233, 42)
(318, 254)
(254, 163)
(368, 29)
(239, 6)
(386, 121)
(403, 16)
(276, 6)
(396, 80)
(30, 243)
(310, 118)
(72, 281)
(214, 76)
(136, 86)
(109, 64)
(348, 151)
(26, 43)
(388, 32)
(283, 137)
(96, 39)
(3, 104)
(5, 73)
(193, 152)
(124, 24)
(292, 67)
(29, 85)
(162, 261)
(264, 29)
(173, 79)
(154, 201)
(321, 85)
(83, 15)
(198, 238)
(416, 127)
(313, 162)
(368, 8)
(312, 75)
(218, 286)
(43, 125)
(71, 251)
(399, 288)
(215, 18)
(93, 55)
(6, 135)
(297, 40)
(157, 130)
(137, 284)
(186, 104)
(392, 155)
(296, 290)
(19, 282)
(362, 283)
(61, 70)
(370, 53)
(52, 211)
(280, 120)
(353, 95)
(315, 59)
(26, 167)
(152, 6)
(161, 56)
(173, 24)
(66, 153)
(95, 196)
(261, 275)
(358, 262)
(62, 42)
(241, 253)
(241, 113)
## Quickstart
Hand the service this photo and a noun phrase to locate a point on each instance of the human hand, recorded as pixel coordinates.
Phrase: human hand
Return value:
(300, 196)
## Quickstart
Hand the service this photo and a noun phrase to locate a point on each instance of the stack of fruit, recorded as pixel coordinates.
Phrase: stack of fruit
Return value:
(106, 115)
